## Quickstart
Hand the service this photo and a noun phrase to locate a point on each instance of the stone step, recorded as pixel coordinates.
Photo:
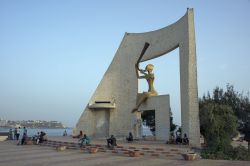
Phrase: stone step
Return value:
(120, 150)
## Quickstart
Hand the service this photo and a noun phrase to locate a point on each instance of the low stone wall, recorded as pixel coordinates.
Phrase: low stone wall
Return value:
(3, 138)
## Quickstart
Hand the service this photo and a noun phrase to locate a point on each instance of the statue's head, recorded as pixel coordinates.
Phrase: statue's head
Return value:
(149, 67)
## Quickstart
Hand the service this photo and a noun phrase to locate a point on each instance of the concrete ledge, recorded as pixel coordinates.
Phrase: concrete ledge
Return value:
(101, 106)
(3, 138)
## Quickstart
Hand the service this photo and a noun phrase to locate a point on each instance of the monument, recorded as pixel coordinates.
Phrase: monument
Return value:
(109, 109)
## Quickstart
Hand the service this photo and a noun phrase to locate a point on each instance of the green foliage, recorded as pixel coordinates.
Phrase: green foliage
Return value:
(238, 153)
(172, 125)
(218, 125)
(148, 118)
(239, 103)
(218, 119)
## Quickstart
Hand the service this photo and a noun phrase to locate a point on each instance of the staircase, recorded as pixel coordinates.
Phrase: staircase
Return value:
(164, 152)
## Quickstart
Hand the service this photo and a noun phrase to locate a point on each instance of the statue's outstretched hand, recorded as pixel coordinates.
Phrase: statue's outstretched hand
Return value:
(142, 71)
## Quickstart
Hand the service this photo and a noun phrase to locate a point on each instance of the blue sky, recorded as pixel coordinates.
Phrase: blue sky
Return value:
(53, 53)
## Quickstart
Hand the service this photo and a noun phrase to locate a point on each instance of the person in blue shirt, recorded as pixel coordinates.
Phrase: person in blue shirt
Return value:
(84, 140)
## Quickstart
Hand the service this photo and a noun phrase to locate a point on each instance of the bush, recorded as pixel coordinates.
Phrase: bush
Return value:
(238, 153)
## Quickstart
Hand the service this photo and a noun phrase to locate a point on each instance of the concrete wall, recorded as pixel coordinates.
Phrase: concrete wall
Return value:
(120, 85)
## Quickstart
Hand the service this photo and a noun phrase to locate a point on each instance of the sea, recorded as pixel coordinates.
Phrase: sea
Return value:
(48, 131)
(59, 132)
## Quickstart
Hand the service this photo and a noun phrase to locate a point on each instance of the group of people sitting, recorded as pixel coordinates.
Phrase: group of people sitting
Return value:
(83, 139)
(111, 142)
(178, 139)
(183, 140)
(40, 137)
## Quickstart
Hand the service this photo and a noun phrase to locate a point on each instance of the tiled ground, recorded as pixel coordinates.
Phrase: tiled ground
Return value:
(35, 155)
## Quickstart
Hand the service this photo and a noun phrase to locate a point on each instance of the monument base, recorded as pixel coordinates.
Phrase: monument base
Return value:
(161, 105)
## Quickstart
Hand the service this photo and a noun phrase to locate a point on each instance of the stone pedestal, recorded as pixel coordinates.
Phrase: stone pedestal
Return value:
(161, 106)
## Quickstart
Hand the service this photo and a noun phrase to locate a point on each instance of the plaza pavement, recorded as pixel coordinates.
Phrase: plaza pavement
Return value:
(36, 155)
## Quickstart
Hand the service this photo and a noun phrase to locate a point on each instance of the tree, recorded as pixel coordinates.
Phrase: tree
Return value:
(218, 125)
(219, 115)
(172, 125)
(246, 131)
(239, 103)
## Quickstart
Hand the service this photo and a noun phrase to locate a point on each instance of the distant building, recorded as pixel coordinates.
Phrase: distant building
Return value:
(3, 122)
(31, 124)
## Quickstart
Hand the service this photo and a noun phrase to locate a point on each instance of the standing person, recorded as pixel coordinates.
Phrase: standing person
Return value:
(65, 133)
(178, 136)
(37, 137)
(18, 133)
(24, 138)
(10, 134)
(25, 131)
(15, 134)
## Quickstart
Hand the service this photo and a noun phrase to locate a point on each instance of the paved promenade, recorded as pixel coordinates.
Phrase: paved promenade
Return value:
(36, 155)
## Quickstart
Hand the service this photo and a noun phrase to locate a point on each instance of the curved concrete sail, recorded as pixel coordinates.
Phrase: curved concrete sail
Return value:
(119, 85)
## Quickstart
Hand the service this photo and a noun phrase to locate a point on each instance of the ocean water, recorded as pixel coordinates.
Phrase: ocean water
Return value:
(59, 132)
(49, 132)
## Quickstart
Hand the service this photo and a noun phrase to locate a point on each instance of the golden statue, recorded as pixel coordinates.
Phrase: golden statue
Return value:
(149, 76)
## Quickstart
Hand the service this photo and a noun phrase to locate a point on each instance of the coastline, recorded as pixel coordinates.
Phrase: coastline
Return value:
(48, 131)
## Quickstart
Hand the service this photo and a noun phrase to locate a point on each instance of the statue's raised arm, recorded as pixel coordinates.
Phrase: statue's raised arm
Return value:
(146, 45)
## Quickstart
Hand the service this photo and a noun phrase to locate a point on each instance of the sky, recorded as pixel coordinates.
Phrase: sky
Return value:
(53, 53)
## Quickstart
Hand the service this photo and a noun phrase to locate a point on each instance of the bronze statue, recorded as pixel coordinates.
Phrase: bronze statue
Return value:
(149, 76)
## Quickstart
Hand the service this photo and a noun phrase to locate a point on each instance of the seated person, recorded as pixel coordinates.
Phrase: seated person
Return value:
(185, 139)
(178, 139)
(130, 137)
(111, 142)
(35, 138)
(84, 140)
(43, 137)
(79, 135)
